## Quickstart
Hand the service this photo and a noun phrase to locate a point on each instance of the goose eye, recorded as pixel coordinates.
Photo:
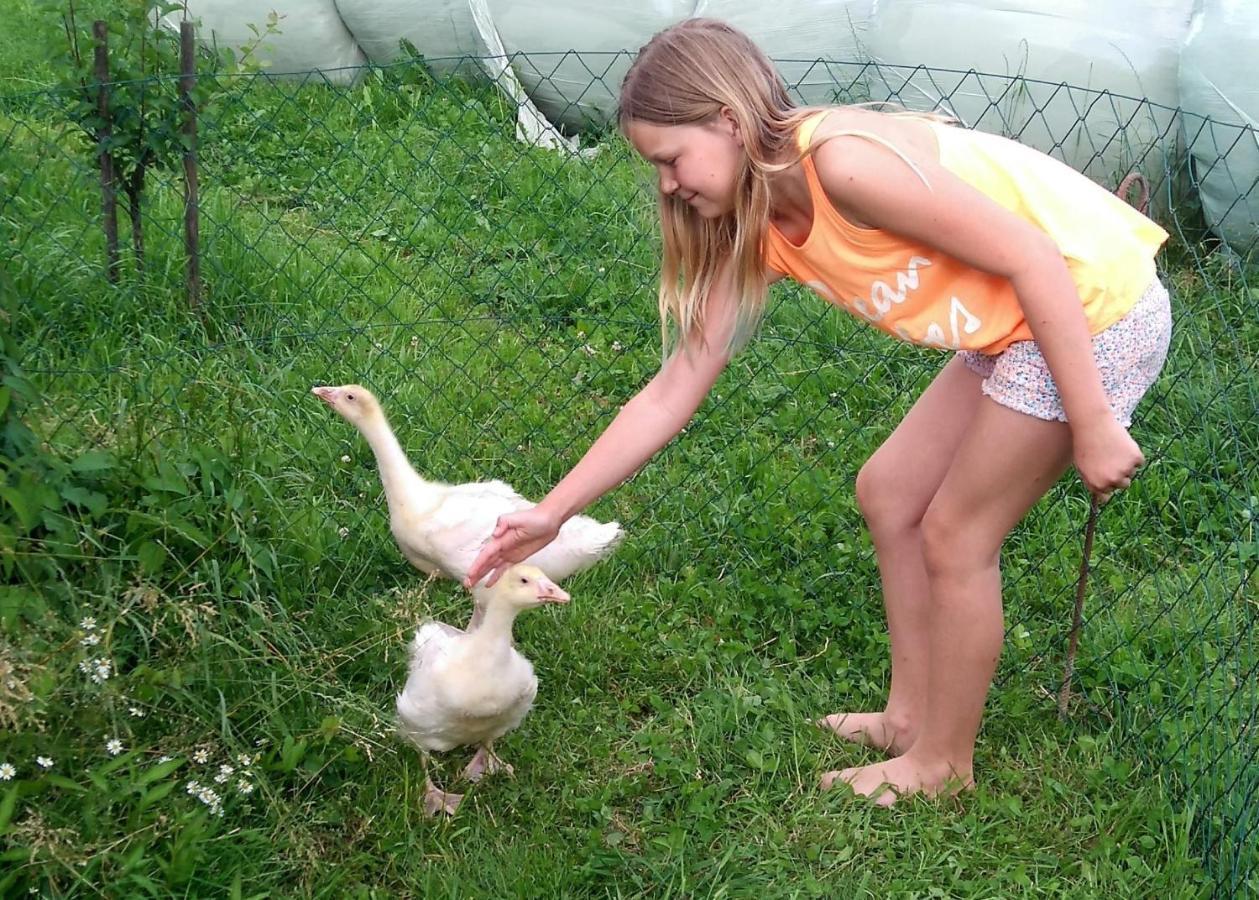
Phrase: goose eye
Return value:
(349, 396)
(524, 579)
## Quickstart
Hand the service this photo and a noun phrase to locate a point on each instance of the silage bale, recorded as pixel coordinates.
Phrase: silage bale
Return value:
(576, 89)
(1219, 82)
(309, 36)
(1098, 85)
(441, 30)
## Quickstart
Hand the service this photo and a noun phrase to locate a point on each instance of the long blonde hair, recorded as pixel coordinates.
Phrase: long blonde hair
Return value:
(686, 75)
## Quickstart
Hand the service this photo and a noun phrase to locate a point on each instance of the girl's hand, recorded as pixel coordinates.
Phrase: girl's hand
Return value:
(1106, 456)
(517, 536)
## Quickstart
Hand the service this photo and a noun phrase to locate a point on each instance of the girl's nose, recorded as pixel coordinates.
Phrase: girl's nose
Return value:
(668, 184)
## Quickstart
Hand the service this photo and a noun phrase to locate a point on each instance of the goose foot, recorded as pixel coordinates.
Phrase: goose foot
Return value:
(485, 762)
(439, 801)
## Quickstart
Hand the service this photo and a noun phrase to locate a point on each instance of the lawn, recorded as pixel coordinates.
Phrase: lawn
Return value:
(219, 539)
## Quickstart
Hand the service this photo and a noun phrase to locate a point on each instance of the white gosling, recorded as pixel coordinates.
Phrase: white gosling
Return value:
(469, 688)
(440, 528)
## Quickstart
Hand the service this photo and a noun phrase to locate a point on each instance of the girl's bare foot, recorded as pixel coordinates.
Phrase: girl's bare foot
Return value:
(877, 730)
(887, 782)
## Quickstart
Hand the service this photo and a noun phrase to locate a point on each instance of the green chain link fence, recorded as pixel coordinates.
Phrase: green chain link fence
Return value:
(499, 298)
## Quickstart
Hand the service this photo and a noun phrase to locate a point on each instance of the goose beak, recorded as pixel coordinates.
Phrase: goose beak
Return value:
(550, 592)
(326, 394)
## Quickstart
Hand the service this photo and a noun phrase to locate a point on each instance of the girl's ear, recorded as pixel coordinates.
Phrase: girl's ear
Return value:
(731, 124)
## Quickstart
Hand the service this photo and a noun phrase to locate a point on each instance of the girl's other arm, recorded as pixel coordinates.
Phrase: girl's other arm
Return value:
(882, 191)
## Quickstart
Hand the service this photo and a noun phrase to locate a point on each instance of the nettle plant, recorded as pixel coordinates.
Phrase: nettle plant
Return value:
(146, 113)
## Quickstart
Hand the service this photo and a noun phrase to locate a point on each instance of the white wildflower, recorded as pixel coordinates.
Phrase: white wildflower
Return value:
(163, 759)
(581, 335)
(344, 532)
(617, 346)
(44, 762)
(225, 772)
(88, 624)
(202, 756)
(114, 746)
(245, 787)
(590, 351)
(136, 711)
(98, 670)
(90, 640)
(246, 760)
(345, 457)
(210, 798)
(7, 772)
(831, 444)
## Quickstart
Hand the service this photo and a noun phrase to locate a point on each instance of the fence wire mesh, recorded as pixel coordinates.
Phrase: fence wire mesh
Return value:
(499, 298)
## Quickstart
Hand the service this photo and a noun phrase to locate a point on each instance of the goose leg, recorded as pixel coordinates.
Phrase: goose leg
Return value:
(485, 762)
(439, 801)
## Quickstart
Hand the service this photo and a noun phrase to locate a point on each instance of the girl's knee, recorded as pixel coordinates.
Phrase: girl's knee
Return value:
(881, 496)
(956, 542)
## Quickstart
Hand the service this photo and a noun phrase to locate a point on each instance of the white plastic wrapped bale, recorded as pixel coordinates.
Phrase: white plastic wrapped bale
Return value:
(578, 88)
(817, 45)
(310, 35)
(1219, 81)
(1081, 65)
(441, 30)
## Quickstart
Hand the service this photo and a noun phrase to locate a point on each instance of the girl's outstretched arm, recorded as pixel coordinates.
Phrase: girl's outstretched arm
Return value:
(650, 419)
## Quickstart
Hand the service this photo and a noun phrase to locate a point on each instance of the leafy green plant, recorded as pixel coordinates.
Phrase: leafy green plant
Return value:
(146, 112)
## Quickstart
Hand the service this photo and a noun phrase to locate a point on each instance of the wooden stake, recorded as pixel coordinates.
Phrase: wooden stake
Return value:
(192, 221)
(109, 197)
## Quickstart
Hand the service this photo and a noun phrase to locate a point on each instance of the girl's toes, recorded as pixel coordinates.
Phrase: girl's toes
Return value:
(837, 776)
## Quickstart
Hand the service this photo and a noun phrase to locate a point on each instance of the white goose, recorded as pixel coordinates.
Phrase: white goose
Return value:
(471, 687)
(440, 527)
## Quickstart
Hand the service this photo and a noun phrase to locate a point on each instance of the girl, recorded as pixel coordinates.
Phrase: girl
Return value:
(1043, 281)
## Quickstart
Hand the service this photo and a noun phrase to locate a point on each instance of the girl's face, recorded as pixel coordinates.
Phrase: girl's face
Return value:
(698, 164)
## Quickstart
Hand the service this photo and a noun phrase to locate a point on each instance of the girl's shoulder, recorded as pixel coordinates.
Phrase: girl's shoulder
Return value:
(905, 134)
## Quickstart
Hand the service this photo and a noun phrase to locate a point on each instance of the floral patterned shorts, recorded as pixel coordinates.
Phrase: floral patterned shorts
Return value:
(1129, 355)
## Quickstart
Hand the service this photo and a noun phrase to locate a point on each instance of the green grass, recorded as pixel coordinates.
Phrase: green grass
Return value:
(25, 63)
(500, 301)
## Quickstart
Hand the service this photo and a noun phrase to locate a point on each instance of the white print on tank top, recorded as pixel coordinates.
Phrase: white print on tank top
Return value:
(883, 296)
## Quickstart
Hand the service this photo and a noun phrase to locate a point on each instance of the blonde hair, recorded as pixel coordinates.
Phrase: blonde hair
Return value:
(686, 75)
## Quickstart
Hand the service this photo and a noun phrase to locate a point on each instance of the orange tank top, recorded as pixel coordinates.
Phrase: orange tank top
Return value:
(917, 293)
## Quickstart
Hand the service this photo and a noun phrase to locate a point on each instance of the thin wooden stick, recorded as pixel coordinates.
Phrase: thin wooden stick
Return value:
(192, 221)
(1077, 620)
(109, 196)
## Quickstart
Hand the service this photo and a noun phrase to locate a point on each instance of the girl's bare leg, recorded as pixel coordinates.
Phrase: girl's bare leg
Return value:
(894, 490)
(1006, 463)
